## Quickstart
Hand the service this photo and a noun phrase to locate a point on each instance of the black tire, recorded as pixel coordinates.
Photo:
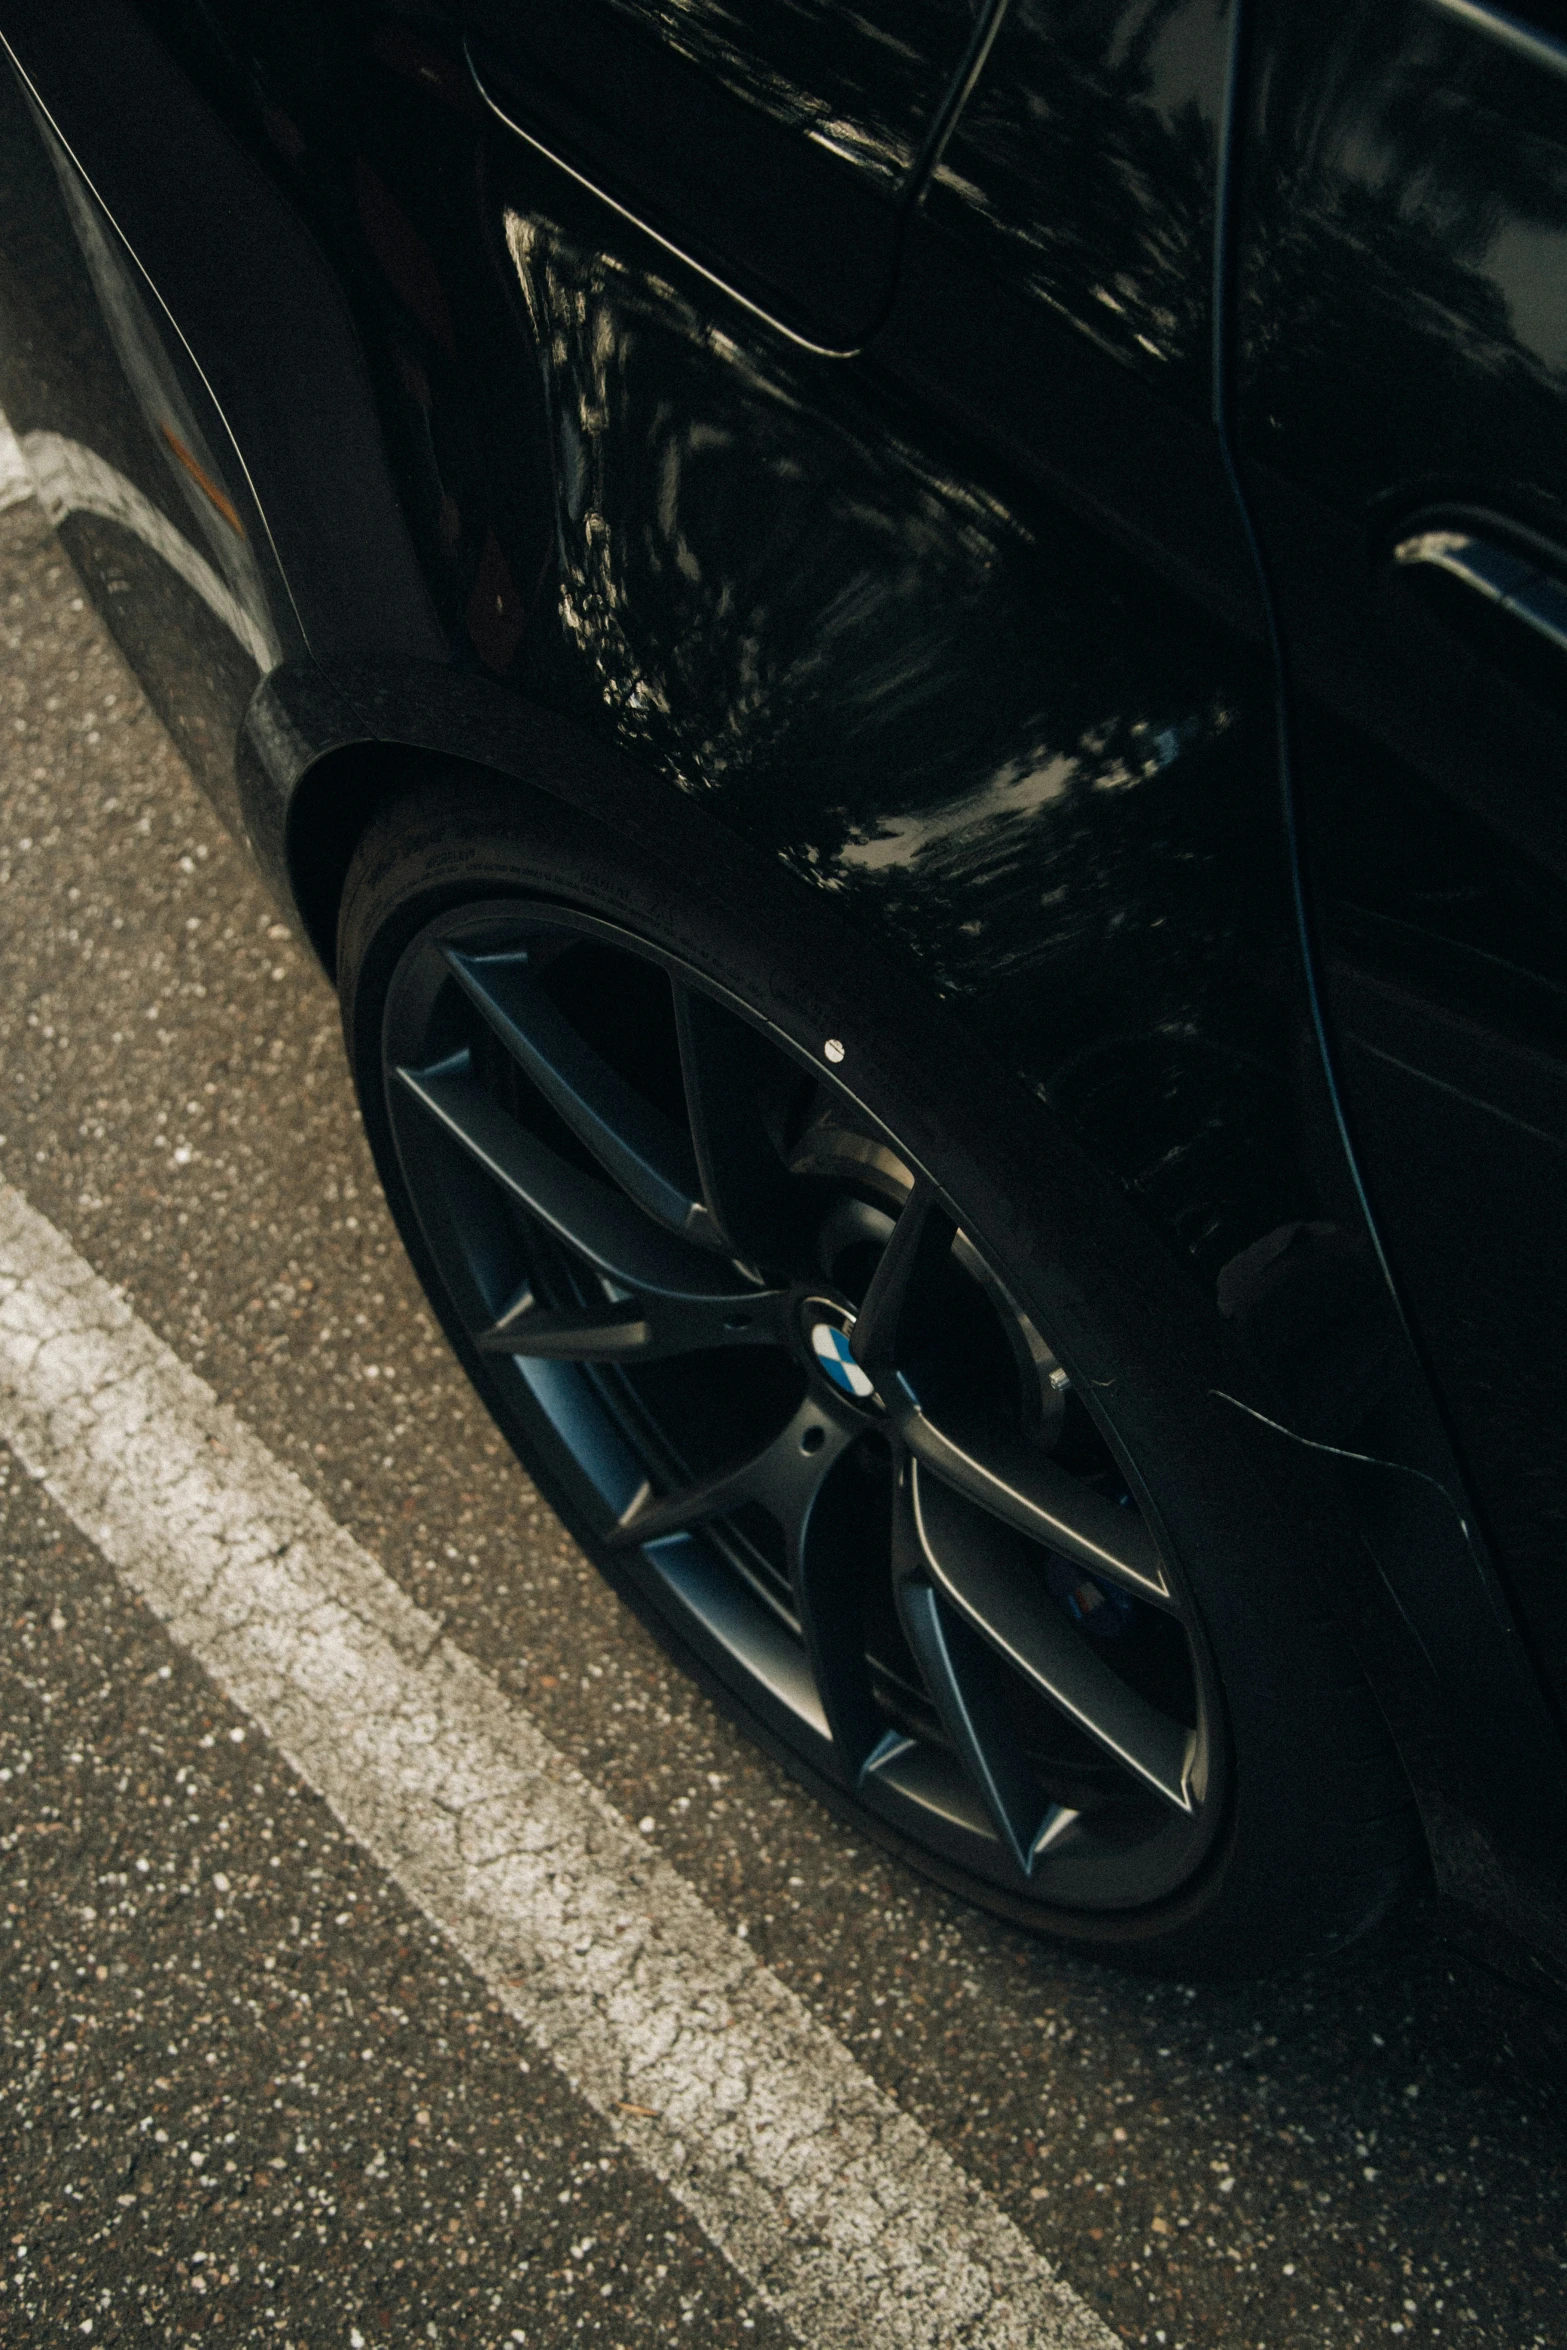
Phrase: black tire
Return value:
(1288, 1828)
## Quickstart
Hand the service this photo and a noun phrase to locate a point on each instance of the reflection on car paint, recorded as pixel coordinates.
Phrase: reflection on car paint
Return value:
(78, 481)
(782, 59)
(1089, 152)
(1039, 793)
(70, 479)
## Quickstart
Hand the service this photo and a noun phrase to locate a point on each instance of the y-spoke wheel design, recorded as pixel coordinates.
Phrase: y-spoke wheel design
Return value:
(798, 1407)
(860, 1379)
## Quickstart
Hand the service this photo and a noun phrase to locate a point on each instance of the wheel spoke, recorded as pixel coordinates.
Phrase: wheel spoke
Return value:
(963, 1676)
(789, 1478)
(921, 1241)
(644, 1152)
(990, 1579)
(1017, 1483)
(827, 1566)
(933, 1634)
(744, 1184)
(600, 1225)
(643, 1329)
(582, 1334)
(785, 1477)
(1028, 1490)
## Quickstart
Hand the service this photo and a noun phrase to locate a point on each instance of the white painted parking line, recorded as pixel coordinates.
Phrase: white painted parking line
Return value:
(16, 483)
(837, 2208)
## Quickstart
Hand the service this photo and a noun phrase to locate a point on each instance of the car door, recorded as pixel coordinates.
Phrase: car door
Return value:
(1401, 410)
(776, 145)
(1055, 292)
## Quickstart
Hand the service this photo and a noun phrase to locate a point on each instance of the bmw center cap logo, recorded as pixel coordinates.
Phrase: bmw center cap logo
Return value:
(830, 1345)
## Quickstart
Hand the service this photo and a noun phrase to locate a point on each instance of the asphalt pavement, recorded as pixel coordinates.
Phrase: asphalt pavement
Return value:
(328, 2127)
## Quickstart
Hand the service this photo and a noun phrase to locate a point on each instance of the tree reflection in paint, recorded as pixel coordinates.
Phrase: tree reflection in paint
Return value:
(1039, 774)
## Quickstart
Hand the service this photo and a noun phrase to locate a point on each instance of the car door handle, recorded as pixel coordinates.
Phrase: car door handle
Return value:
(1515, 585)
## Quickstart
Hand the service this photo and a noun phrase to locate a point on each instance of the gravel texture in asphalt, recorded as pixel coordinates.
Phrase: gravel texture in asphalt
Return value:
(246, 2084)
(1369, 2152)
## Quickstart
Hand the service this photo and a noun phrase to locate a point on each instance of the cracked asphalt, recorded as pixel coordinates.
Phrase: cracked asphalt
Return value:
(1369, 2152)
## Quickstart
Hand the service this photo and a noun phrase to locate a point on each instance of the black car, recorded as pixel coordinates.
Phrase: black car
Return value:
(910, 662)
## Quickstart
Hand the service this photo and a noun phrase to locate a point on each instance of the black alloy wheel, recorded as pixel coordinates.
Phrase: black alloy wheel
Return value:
(748, 1345)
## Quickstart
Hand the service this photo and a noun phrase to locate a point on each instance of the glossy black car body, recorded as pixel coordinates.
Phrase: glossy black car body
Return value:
(1079, 485)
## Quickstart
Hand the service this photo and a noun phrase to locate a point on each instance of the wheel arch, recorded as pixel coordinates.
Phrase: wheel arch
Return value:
(322, 752)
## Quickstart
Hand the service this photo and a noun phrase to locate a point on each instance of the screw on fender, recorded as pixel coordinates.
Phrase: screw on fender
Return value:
(832, 1050)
